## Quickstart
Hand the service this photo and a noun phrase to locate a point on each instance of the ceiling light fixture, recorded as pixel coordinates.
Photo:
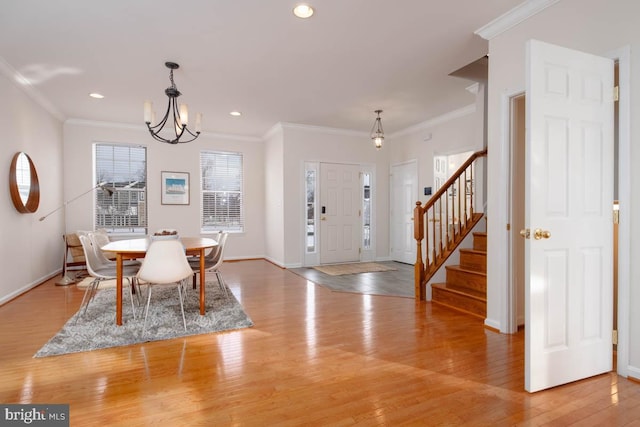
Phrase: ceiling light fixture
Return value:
(377, 134)
(96, 95)
(177, 115)
(236, 113)
(303, 11)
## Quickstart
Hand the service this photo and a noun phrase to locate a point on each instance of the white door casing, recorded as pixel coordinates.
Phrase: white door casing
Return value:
(568, 193)
(340, 220)
(404, 194)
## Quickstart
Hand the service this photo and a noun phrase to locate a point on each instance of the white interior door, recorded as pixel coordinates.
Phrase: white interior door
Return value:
(569, 194)
(340, 220)
(404, 194)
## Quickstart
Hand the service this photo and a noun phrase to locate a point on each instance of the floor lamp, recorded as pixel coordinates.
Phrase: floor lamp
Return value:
(66, 280)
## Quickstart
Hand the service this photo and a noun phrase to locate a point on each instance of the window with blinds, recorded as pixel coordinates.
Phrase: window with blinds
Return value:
(221, 185)
(122, 168)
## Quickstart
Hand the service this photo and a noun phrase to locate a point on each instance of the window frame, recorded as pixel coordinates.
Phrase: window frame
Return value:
(228, 226)
(139, 228)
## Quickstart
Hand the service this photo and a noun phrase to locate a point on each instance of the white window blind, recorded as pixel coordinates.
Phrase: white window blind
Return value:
(124, 169)
(221, 183)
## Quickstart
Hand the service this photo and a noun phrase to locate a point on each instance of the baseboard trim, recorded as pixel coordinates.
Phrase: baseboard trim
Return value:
(492, 324)
(26, 288)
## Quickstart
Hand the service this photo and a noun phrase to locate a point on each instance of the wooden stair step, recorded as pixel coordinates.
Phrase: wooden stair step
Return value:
(473, 259)
(467, 300)
(461, 278)
(480, 241)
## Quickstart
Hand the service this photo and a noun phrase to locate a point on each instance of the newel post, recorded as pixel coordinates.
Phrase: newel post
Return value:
(418, 234)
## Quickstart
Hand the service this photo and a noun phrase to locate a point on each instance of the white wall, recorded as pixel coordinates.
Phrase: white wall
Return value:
(453, 133)
(78, 148)
(274, 196)
(30, 128)
(592, 26)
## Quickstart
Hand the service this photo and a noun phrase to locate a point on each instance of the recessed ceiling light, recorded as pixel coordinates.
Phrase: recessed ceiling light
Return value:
(236, 113)
(303, 11)
(96, 95)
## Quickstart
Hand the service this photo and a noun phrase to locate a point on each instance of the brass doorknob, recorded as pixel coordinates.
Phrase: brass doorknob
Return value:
(541, 234)
(525, 233)
(322, 218)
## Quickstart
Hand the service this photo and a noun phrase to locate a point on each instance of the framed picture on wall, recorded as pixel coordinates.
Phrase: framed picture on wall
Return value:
(175, 188)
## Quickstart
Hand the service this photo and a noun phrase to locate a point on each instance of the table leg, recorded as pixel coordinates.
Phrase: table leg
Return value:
(119, 289)
(202, 281)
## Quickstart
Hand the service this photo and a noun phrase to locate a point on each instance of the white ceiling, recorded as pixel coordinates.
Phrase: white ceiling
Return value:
(334, 69)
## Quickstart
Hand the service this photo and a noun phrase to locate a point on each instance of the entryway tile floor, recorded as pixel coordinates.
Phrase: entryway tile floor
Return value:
(398, 282)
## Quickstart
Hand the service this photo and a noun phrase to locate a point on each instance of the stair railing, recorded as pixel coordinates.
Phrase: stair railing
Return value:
(444, 221)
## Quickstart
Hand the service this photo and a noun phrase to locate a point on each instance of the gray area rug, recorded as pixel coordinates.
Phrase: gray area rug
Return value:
(96, 329)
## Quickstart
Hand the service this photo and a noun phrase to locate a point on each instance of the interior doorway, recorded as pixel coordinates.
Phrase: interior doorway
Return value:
(404, 193)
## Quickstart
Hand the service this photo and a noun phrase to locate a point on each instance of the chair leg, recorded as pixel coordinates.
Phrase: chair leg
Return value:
(146, 311)
(131, 291)
(194, 280)
(93, 287)
(184, 322)
(223, 286)
(135, 288)
(85, 302)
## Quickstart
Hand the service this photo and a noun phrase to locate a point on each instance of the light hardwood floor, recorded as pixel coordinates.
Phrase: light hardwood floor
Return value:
(314, 357)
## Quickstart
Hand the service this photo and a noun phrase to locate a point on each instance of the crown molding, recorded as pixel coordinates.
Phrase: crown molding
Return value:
(513, 17)
(25, 85)
(272, 131)
(142, 128)
(460, 112)
(323, 129)
(473, 88)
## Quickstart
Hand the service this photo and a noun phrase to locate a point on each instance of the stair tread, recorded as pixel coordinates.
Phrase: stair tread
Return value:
(465, 270)
(466, 292)
(473, 251)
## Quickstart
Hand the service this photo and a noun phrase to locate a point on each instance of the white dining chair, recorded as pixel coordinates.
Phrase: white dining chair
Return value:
(101, 271)
(165, 263)
(212, 262)
(99, 239)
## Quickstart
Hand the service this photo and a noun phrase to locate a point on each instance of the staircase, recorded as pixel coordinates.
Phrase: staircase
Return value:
(465, 288)
(441, 225)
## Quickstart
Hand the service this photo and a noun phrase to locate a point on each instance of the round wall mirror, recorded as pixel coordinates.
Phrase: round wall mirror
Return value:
(23, 184)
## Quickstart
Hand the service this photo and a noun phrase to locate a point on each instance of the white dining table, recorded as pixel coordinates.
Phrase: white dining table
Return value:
(137, 248)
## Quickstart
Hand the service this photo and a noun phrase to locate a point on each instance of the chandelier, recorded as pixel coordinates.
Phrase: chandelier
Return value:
(176, 116)
(377, 134)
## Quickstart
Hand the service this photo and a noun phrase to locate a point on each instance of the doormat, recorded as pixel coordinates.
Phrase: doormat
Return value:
(352, 268)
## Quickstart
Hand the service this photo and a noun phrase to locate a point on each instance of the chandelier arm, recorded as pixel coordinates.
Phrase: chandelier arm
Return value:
(178, 127)
(162, 122)
(177, 121)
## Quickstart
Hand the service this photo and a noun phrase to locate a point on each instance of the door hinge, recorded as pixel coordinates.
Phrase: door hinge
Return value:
(508, 227)
(616, 93)
(359, 250)
(616, 215)
(614, 337)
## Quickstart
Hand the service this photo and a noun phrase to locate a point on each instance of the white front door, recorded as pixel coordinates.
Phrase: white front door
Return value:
(340, 215)
(404, 194)
(568, 211)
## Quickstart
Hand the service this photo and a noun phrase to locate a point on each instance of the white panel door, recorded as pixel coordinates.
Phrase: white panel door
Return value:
(568, 210)
(340, 220)
(404, 194)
